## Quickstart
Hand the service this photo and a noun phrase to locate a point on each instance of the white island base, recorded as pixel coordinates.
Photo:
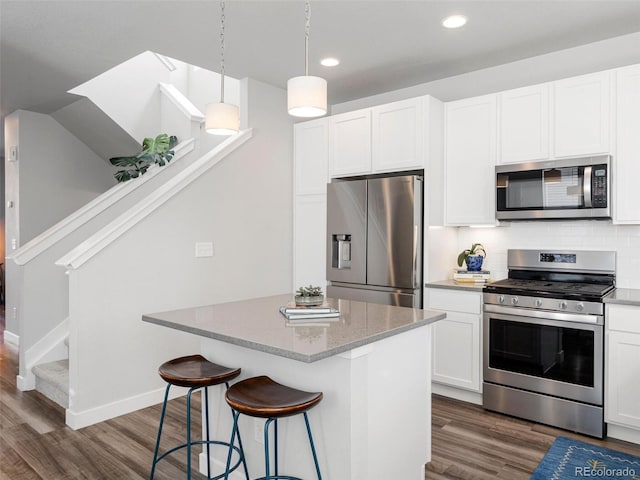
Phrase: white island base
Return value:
(374, 422)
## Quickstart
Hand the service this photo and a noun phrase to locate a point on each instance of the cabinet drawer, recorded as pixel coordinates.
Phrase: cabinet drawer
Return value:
(454, 301)
(623, 318)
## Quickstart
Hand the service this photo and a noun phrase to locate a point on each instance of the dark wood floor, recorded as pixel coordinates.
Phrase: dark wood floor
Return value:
(468, 443)
(471, 443)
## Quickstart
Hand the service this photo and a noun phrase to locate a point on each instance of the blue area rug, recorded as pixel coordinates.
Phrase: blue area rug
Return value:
(571, 459)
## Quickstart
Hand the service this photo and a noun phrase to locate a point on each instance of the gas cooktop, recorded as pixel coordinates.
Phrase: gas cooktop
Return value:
(545, 288)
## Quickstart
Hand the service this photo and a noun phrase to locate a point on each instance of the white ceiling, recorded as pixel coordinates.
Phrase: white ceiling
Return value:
(49, 46)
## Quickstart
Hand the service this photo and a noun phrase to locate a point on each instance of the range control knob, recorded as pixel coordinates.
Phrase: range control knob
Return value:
(538, 303)
(501, 299)
(580, 307)
(514, 301)
(563, 305)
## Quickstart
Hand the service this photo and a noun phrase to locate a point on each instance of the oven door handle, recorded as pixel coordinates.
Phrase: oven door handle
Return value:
(545, 314)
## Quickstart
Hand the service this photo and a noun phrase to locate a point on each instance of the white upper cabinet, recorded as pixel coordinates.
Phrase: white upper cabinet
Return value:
(470, 158)
(581, 115)
(311, 151)
(350, 143)
(397, 136)
(626, 168)
(524, 124)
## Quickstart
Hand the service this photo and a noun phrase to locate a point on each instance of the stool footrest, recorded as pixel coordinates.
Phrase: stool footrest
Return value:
(280, 477)
(210, 442)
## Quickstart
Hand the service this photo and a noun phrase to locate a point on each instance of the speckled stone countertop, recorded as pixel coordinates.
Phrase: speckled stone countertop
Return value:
(624, 296)
(258, 324)
(452, 284)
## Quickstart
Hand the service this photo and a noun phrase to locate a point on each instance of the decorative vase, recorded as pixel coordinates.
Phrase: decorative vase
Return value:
(474, 262)
(309, 301)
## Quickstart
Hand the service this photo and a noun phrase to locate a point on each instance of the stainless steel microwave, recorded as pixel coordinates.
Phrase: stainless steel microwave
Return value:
(557, 189)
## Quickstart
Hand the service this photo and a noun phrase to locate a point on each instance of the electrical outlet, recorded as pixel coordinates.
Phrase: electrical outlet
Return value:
(204, 249)
(258, 430)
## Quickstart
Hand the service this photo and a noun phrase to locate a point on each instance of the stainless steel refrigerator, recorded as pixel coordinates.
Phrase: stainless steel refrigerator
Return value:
(374, 240)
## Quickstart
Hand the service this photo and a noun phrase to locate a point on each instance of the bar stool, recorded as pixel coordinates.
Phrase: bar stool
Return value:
(264, 398)
(196, 372)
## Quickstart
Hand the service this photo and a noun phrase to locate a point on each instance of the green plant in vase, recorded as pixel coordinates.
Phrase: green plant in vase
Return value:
(309, 296)
(154, 151)
(473, 257)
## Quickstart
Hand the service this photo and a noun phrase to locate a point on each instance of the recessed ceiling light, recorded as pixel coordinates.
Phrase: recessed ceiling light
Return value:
(454, 21)
(329, 62)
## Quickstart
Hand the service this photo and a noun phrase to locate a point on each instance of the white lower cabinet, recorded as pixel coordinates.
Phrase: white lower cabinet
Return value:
(622, 371)
(456, 354)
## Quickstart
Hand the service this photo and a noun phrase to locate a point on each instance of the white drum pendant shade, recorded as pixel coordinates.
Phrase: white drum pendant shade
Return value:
(307, 96)
(222, 119)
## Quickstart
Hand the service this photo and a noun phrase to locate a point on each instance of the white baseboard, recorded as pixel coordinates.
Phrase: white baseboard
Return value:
(623, 433)
(77, 420)
(11, 338)
(457, 393)
(26, 383)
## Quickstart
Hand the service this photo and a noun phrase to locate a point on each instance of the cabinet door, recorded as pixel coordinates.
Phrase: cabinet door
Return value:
(622, 401)
(311, 156)
(581, 115)
(524, 124)
(350, 143)
(397, 136)
(309, 240)
(627, 165)
(456, 351)
(470, 158)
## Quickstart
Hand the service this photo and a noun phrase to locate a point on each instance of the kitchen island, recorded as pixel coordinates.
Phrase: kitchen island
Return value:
(372, 363)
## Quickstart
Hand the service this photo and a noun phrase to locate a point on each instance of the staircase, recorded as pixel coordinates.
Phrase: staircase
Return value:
(99, 120)
(52, 380)
(90, 278)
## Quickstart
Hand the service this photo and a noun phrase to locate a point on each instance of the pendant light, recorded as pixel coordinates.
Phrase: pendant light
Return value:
(307, 95)
(222, 118)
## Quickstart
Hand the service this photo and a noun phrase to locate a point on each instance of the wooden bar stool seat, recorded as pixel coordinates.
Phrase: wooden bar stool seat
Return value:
(196, 372)
(262, 397)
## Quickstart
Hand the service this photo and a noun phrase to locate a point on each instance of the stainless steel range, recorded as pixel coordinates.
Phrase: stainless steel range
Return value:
(543, 338)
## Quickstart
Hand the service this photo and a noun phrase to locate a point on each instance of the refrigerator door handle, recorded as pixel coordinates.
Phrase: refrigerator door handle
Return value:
(416, 233)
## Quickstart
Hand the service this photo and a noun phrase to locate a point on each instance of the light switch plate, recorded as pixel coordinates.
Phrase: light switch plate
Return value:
(13, 153)
(204, 249)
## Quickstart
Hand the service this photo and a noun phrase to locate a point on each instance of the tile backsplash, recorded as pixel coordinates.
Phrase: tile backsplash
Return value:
(558, 235)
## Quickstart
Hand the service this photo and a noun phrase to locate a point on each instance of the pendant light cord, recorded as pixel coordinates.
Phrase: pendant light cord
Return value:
(222, 19)
(307, 27)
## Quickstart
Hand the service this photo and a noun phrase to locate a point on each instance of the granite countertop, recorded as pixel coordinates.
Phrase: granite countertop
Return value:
(258, 324)
(624, 296)
(452, 284)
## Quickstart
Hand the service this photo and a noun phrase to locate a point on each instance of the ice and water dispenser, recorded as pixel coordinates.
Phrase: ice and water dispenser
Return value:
(341, 251)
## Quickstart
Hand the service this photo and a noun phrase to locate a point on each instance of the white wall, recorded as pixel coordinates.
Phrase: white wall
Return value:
(55, 174)
(593, 57)
(243, 205)
(129, 94)
(58, 174)
(582, 235)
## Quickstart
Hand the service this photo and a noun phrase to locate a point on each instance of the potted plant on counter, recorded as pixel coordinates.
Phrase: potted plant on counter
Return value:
(473, 257)
(309, 296)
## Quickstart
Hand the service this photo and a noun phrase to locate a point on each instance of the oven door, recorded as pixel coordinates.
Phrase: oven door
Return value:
(544, 355)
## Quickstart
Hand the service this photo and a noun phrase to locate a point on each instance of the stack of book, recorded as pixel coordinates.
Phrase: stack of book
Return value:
(291, 311)
(467, 276)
